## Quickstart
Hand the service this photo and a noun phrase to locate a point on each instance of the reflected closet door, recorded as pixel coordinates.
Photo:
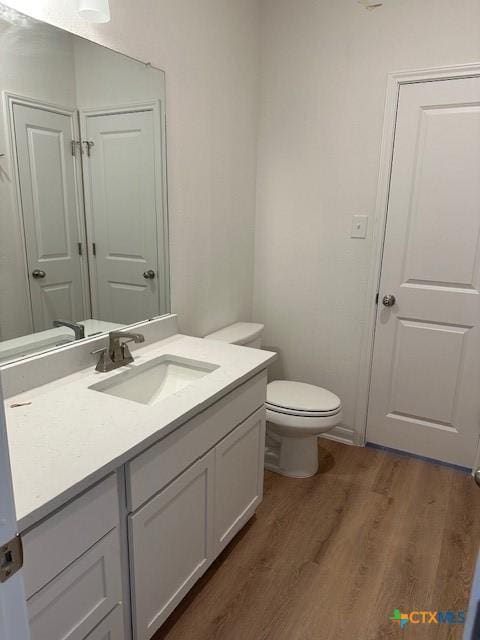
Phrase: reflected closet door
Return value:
(122, 178)
(51, 217)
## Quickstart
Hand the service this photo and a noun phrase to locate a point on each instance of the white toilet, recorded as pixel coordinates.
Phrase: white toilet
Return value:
(297, 413)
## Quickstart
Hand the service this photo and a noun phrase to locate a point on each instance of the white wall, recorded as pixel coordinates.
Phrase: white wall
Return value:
(44, 71)
(118, 80)
(323, 80)
(208, 49)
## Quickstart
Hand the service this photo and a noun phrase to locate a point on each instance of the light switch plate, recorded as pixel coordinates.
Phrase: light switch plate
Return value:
(359, 227)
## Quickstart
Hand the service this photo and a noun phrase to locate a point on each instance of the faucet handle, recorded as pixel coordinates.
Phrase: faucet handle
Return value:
(105, 362)
(126, 353)
(96, 351)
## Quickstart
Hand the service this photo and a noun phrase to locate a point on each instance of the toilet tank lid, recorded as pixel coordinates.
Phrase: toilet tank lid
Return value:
(238, 333)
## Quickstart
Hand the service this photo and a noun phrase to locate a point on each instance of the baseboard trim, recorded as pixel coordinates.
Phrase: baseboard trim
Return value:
(416, 456)
(340, 434)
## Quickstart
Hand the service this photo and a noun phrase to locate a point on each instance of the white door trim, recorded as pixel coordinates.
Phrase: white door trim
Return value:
(394, 82)
(13, 608)
(10, 100)
(163, 243)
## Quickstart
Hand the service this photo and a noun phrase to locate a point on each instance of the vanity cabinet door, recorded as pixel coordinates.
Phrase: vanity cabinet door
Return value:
(238, 477)
(111, 628)
(171, 545)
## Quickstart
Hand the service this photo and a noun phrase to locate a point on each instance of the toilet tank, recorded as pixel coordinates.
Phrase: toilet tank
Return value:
(247, 334)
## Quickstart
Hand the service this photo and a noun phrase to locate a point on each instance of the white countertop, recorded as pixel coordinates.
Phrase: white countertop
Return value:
(71, 436)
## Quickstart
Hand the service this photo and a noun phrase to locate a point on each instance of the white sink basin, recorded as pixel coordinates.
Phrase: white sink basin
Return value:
(155, 380)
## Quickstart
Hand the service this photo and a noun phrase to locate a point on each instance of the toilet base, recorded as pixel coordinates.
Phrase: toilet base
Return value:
(292, 457)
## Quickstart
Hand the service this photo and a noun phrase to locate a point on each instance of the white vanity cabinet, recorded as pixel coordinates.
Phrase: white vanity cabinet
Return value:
(167, 513)
(198, 506)
(72, 568)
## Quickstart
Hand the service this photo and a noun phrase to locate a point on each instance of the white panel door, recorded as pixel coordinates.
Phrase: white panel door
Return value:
(425, 391)
(13, 607)
(122, 202)
(46, 169)
(171, 545)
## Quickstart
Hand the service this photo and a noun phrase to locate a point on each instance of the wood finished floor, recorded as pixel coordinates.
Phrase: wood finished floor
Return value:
(330, 557)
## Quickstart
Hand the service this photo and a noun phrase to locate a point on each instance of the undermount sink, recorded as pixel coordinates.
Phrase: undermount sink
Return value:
(155, 380)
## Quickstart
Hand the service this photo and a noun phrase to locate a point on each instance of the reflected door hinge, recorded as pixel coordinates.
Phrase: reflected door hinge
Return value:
(76, 144)
(80, 251)
(11, 558)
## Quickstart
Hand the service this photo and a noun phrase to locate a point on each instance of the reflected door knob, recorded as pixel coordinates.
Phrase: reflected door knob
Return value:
(38, 273)
(389, 300)
(149, 275)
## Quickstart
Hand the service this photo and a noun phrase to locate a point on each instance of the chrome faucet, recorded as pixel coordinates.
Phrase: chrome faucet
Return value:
(78, 329)
(117, 354)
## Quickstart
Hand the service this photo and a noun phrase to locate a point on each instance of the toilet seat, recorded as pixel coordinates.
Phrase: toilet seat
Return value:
(295, 425)
(304, 414)
(301, 399)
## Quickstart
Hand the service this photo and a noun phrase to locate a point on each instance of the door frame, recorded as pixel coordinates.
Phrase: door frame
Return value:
(13, 606)
(394, 82)
(163, 258)
(11, 99)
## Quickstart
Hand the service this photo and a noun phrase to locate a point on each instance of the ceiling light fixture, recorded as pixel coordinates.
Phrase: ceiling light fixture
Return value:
(94, 10)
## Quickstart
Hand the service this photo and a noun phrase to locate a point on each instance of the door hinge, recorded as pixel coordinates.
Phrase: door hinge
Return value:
(94, 248)
(11, 558)
(80, 252)
(377, 297)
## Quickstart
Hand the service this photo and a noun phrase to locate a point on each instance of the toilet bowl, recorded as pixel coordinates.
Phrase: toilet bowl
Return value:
(296, 412)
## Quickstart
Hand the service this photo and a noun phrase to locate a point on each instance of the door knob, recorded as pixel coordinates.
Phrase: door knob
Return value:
(476, 476)
(149, 275)
(389, 300)
(38, 273)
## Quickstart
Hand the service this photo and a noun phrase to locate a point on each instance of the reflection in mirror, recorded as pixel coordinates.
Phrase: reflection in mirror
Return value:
(83, 220)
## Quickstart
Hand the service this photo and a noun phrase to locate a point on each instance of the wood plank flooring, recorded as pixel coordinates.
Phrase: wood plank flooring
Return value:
(330, 557)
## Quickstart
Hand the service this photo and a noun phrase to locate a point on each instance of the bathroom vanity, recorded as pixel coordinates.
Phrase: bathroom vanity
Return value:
(126, 493)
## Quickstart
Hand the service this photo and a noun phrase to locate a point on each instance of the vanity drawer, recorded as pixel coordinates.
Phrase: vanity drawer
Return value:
(152, 470)
(67, 534)
(79, 598)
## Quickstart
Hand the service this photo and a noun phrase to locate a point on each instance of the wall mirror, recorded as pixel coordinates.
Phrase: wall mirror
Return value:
(83, 220)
